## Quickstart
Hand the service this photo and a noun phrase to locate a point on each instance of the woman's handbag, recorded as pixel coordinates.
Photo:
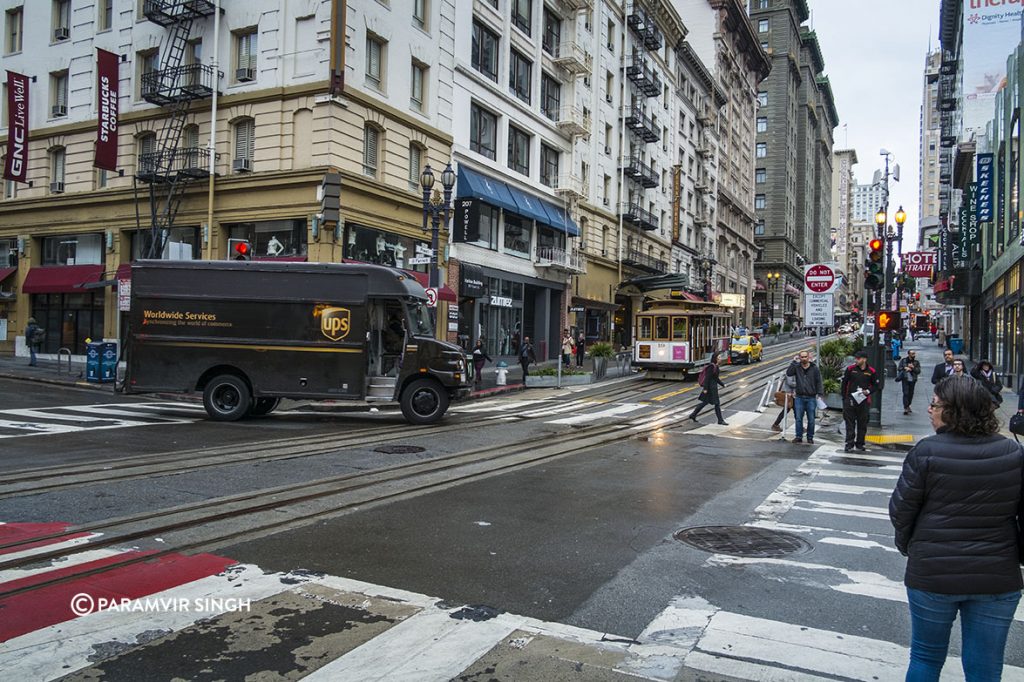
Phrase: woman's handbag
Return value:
(1017, 425)
(783, 399)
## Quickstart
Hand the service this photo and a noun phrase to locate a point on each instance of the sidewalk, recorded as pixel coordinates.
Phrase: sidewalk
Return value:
(47, 372)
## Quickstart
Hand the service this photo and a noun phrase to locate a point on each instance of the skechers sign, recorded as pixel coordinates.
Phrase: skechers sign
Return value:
(984, 194)
(16, 160)
(335, 323)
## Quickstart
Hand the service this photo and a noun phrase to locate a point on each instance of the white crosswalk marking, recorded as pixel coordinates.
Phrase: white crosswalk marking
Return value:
(22, 422)
(601, 414)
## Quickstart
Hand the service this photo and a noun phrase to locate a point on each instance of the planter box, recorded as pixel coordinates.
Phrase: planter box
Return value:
(534, 381)
(834, 401)
(600, 368)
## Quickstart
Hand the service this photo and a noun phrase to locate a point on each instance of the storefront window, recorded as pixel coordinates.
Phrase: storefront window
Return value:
(73, 249)
(69, 319)
(517, 235)
(182, 244)
(9, 253)
(488, 235)
(501, 317)
(548, 237)
(272, 238)
(370, 245)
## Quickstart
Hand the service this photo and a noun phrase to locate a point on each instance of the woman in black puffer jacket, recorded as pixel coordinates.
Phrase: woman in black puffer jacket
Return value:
(957, 510)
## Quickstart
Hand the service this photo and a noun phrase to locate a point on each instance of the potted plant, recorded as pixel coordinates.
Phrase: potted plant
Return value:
(600, 352)
(831, 362)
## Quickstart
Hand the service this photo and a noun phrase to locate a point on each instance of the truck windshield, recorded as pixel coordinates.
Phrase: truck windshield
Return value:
(419, 315)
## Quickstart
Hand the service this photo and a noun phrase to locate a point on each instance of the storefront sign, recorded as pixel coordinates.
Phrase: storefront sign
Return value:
(106, 107)
(985, 196)
(16, 160)
(919, 263)
(676, 200)
(577, 309)
(991, 30)
(467, 221)
(968, 237)
(472, 284)
(453, 315)
(733, 300)
(501, 301)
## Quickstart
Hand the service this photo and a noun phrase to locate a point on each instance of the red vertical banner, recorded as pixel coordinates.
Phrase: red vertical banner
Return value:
(107, 64)
(16, 160)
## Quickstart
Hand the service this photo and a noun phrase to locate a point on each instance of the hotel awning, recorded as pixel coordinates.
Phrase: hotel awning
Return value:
(496, 192)
(60, 279)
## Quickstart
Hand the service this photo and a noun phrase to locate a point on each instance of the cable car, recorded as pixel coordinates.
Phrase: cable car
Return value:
(677, 337)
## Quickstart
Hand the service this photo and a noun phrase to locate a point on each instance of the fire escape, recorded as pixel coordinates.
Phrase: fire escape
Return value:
(169, 168)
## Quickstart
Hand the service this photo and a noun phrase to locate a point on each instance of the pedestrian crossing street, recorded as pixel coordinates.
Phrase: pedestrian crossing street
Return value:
(19, 423)
(353, 630)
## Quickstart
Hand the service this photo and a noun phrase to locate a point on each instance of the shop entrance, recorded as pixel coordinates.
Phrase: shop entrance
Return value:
(69, 319)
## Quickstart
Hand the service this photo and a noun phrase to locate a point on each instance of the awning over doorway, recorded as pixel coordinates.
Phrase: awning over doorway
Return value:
(653, 282)
(503, 195)
(593, 304)
(560, 220)
(444, 292)
(530, 206)
(60, 279)
(496, 192)
(6, 272)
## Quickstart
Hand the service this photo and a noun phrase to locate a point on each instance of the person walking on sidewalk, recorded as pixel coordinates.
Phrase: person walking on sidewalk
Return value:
(808, 386)
(31, 340)
(859, 383)
(581, 343)
(956, 511)
(944, 368)
(709, 393)
(906, 373)
(480, 357)
(959, 368)
(895, 343)
(526, 356)
(568, 345)
(984, 373)
(788, 384)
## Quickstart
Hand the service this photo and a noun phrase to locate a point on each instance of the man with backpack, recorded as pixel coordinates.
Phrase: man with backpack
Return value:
(709, 381)
(33, 337)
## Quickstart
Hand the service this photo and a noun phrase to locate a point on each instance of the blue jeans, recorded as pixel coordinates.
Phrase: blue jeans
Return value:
(32, 354)
(984, 624)
(805, 405)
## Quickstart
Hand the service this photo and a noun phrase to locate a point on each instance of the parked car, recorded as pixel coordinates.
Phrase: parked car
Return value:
(746, 349)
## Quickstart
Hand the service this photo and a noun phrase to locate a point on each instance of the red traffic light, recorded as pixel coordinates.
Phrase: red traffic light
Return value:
(242, 249)
(876, 244)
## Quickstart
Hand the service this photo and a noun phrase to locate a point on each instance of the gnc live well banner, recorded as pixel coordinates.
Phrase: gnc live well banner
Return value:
(106, 106)
(16, 160)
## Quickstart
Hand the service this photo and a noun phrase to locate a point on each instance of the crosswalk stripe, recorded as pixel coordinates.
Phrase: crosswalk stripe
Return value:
(736, 420)
(120, 411)
(602, 414)
(503, 406)
(35, 428)
(846, 489)
(63, 562)
(47, 548)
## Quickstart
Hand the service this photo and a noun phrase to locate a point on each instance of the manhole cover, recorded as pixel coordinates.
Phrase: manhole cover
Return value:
(746, 541)
(399, 449)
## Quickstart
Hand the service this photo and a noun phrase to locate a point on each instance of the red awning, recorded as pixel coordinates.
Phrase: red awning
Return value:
(60, 279)
(124, 271)
(693, 297)
(421, 277)
(6, 272)
(446, 293)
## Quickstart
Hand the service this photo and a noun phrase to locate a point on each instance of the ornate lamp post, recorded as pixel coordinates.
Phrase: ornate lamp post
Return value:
(438, 209)
(877, 355)
(773, 284)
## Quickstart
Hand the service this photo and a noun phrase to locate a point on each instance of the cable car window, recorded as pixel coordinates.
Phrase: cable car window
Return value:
(661, 328)
(645, 328)
(678, 328)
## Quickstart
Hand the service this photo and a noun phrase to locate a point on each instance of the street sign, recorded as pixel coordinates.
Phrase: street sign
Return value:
(819, 279)
(424, 250)
(418, 260)
(919, 263)
(431, 297)
(819, 310)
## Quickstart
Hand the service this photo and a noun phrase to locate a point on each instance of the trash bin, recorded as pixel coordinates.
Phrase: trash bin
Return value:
(93, 352)
(956, 344)
(108, 361)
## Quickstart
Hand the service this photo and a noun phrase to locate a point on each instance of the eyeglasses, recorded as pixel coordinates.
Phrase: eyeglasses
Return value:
(934, 405)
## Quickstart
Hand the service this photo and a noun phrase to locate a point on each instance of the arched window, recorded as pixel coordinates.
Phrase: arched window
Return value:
(190, 151)
(147, 156)
(416, 154)
(371, 150)
(245, 143)
(57, 163)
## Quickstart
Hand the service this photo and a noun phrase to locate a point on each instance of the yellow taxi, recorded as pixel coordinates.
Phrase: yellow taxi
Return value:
(745, 349)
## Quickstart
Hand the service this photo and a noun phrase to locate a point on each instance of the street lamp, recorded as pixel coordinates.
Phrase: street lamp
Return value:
(438, 208)
(773, 283)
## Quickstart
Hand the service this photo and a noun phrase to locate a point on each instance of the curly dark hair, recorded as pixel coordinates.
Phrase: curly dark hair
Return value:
(967, 407)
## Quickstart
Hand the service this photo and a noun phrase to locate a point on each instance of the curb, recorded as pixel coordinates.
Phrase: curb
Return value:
(58, 382)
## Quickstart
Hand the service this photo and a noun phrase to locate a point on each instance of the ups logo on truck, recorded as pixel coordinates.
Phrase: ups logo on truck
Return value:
(335, 323)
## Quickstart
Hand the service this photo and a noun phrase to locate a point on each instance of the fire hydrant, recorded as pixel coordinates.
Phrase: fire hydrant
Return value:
(501, 372)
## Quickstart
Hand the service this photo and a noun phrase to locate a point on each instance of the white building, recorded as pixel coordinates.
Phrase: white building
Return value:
(867, 199)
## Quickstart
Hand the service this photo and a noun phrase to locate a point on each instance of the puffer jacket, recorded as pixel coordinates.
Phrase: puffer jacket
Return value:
(956, 510)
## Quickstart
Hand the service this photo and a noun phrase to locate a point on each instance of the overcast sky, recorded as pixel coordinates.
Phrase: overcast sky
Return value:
(874, 54)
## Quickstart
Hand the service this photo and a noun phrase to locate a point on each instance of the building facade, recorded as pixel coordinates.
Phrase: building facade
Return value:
(845, 257)
(931, 133)
(867, 199)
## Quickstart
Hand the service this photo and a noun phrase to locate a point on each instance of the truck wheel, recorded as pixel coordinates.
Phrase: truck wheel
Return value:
(264, 406)
(424, 401)
(226, 398)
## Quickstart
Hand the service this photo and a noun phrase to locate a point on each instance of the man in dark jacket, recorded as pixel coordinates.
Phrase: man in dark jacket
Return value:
(859, 383)
(909, 369)
(526, 356)
(31, 340)
(944, 368)
(808, 386)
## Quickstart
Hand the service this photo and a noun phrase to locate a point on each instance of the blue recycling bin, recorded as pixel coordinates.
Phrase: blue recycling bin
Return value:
(93, 352)
(108, 361)
(956, 344)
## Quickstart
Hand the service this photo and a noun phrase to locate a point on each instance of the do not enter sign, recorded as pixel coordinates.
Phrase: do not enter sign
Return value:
(819, 279)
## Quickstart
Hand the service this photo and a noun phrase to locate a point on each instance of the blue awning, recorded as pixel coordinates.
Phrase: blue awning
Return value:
(530, 206)
(496, 192)
(560, 220)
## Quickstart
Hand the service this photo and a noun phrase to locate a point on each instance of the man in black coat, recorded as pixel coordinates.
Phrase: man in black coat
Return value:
(909, 369)
(859, 384)
(944, 368)
(807, 387)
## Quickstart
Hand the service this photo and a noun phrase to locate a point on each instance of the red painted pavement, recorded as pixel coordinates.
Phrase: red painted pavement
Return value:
(35, 609)
(21, 547)
(20, 532)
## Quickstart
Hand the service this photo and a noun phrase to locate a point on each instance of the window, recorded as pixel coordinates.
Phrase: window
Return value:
(518, 235)
(518, 150)
(105, 15)
(764, 45)
(415, 166)
(146, 162)
(519, 76)
(548, 165)
(10, 190)
(371, 150)
(147, 63)
(419, 13)
(522, 13)
(762, 150)
(759, 227)
(245, 142)
(419, 79)
(61, 19)
(611, 36)
(245, 56)
(762, 4)
(375, 61)
(762, 98)
(485, 51)
(483, 132)
(759, 201)
(762, 124)
(486, 234)
(760, 176)
(762, 26)
(552, 32)
(59, 94)
(13, 34)
(57, 162)
(550, 96)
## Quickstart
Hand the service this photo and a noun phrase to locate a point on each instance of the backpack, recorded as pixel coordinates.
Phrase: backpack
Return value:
(38, 335)
(703, 376)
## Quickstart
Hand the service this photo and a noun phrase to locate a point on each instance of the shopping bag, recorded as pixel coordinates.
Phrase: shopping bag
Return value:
(822, 405)
(783, 399)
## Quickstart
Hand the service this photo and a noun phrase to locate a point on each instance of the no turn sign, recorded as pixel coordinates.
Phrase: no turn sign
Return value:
(431, 297)
(819, 279)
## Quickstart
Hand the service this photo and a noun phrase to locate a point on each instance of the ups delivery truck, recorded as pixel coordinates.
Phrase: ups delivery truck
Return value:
(247, 334)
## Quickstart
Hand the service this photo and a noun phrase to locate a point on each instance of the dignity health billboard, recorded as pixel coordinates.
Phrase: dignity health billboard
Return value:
(992, 30)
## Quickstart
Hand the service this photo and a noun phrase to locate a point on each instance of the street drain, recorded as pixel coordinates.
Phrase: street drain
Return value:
(399, 449)
(744, 541)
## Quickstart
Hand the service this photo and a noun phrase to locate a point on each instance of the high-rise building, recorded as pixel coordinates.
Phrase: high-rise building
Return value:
(795, 120)
(931, 133)
(867, 199)
(842, 217)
